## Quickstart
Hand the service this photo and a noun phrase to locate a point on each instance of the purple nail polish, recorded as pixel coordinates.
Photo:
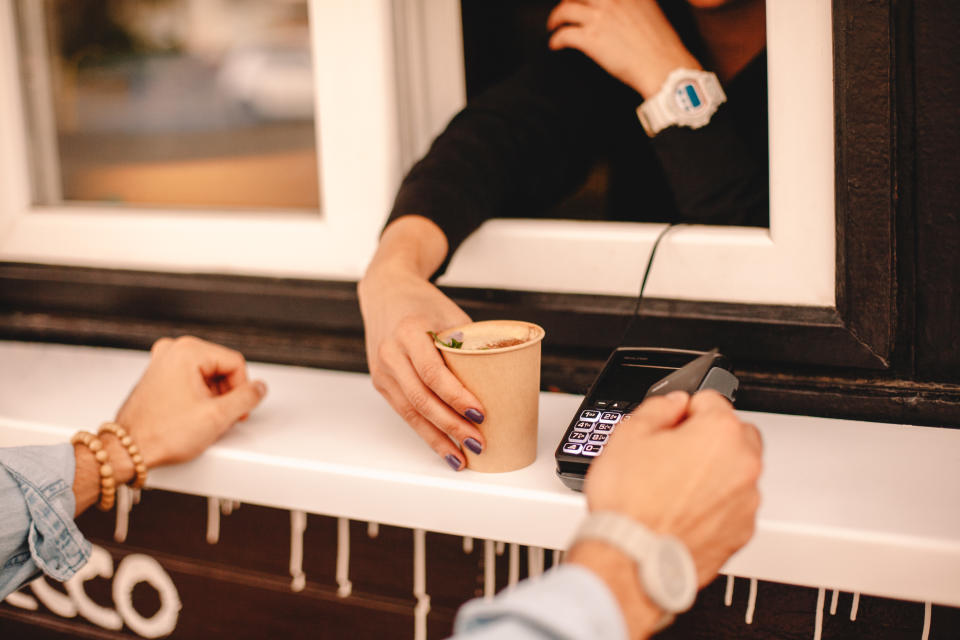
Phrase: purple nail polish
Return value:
(473, 445)
(453, 461)
(473, 416)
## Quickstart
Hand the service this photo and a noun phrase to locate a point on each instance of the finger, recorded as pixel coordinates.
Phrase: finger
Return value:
(217, 360)
(659, 412)
(240, 401)
(433, 372)
(428, 405)
(434, 437)
(568, 37)
(708, 400)
(753, 437)
(568, 13)
(160, 346)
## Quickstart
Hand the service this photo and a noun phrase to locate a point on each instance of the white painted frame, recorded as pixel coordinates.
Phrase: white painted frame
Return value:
(372, 131)
(792, 263)
(357, 141)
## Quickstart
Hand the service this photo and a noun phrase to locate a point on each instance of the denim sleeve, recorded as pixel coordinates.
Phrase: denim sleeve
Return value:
(37, 531)
(566, 603)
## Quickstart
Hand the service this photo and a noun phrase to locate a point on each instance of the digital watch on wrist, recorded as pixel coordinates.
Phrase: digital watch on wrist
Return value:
(664, 565)
(688, 98)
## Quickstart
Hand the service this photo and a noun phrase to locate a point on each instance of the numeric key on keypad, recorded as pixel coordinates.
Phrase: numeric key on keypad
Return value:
(589, 415)
(577, 436)
(572, 448)
(598, 438)
(592, 449)
(603, 427)
(583, 425)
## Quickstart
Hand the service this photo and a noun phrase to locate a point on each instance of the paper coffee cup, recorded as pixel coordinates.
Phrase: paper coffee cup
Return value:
(499, 362)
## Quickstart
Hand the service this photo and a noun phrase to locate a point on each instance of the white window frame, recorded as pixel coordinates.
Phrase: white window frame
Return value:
(368, 131)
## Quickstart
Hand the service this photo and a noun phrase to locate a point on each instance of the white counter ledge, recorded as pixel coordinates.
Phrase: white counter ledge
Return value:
(855, 506)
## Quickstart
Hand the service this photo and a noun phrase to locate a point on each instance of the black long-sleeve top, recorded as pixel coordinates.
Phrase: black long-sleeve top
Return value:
(525, 144)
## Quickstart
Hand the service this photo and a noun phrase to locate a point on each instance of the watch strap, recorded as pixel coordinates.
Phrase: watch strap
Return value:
(644, 547)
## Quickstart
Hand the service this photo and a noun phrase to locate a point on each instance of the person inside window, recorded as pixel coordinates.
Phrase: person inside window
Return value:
(672, 96)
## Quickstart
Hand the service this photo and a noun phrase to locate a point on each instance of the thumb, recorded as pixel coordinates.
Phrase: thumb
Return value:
(241, 400)
(659, 412)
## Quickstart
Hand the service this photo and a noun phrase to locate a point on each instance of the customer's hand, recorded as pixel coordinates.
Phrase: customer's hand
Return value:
(688, 470)
(400, 306)
(631, 39)
(191, 393)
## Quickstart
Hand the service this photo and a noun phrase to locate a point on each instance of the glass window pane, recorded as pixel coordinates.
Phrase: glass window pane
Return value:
(177, 103)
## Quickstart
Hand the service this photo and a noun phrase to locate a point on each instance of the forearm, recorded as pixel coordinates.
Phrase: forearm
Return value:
(410, 244)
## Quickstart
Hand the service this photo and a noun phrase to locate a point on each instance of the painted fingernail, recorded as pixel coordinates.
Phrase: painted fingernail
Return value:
(453, 461)
(473, 445)
(473, 416)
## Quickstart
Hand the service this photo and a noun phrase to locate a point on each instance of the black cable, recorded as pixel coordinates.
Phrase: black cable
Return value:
(643, 283)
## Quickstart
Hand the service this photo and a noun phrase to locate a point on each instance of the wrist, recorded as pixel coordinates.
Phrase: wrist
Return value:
(619, 573)
(649, 77)
(411, 244)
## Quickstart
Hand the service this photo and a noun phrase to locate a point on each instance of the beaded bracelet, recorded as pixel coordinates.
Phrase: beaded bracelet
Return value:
(139, 466)
(108, 485)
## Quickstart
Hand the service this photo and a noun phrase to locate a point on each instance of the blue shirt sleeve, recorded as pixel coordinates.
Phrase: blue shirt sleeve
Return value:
(37, 531)
(566, 603)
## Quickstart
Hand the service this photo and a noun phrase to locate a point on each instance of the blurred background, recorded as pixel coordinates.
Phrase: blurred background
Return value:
(187, 103)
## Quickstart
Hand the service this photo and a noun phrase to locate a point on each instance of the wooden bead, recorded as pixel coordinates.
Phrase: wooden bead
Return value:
(137, 459)
(106, 469)
(108, 483)
(126, 441)
(94, 444)
(133, 449)
(102, 456)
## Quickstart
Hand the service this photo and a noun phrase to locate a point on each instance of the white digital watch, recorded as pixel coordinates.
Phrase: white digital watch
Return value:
(688, 98)
(664, 565)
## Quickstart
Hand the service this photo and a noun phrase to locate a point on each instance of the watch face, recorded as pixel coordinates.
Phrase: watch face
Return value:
(671, 576)
(689, 96)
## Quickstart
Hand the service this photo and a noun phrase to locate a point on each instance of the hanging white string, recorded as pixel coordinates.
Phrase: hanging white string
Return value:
(833, 602)
(751, 601)
(489, 570)
(728, 592)
(854, 606)
(513, 572)
(534, 562)
(927, 615)
(422, 607)
(467, 544)
(228, 506)
(344, 586)
(501, 546)
(124, 504)
(556, 557)
(818, 621)
(298, 524)
(373, 529)
(213, 520)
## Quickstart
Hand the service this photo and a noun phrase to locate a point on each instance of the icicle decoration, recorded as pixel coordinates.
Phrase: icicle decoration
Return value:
(513, 568)
(534, 562)
(228, 506)
(854, 606)
(22, 601)
(818, 621)
(422, 607)
(373, 529)
(489, 570)
(213, 520)
(728, 593)
(927, 615)
(557, 557)
(467, 544)
(124, 504)
(834, 599)
(751, 602)
(501, 546)
(298, 524)
(344, 586)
